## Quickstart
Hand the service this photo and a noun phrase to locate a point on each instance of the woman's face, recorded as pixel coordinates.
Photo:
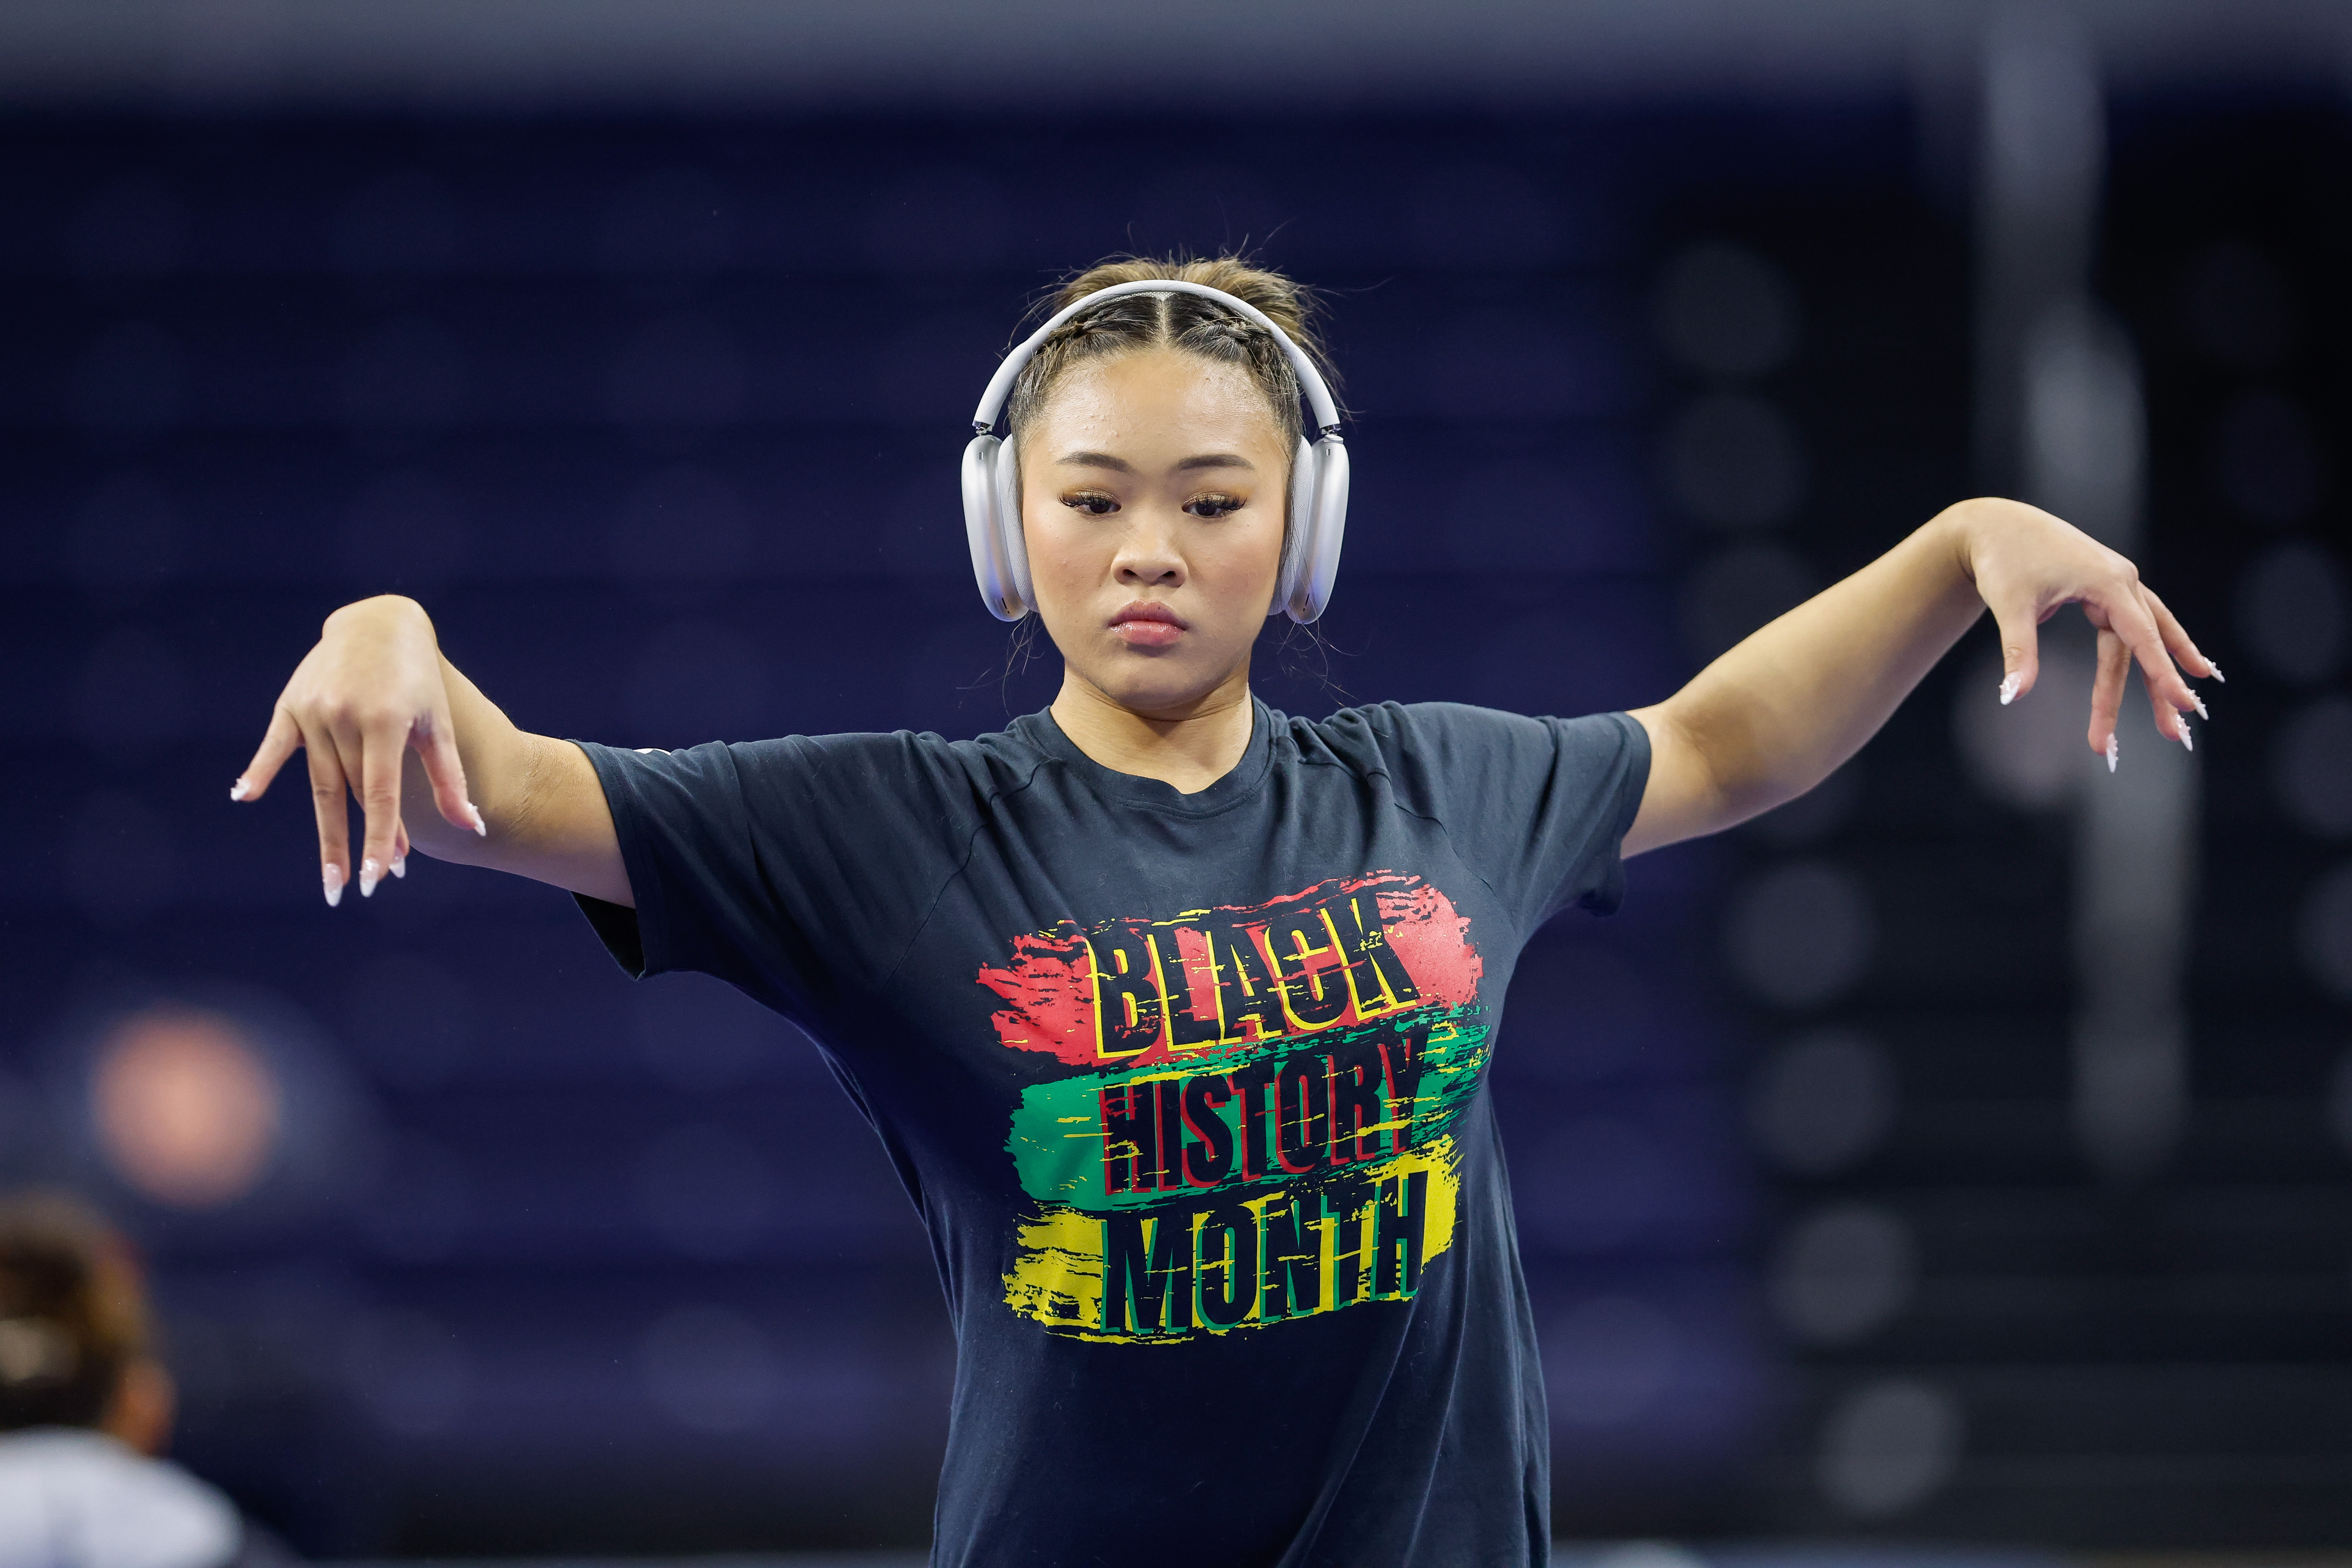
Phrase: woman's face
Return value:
(1153, 489)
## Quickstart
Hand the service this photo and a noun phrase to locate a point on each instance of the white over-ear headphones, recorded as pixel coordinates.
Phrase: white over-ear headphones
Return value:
(1318, 478)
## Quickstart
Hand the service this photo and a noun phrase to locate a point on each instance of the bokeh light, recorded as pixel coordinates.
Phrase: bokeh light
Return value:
(2311, 767)
(186, 1111)
(1724, 310)
(1801, 933)
(1734, 461)
(1607, 1360)
(1889, 1445)
(2290, 611)
(1823, 1101)
(710, 1369)
(1843, 1273)
(2268, 460)
(2325, 931)
(410, 1370)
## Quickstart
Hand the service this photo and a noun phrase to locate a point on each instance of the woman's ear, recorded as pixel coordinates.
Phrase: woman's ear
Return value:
(145, 1401)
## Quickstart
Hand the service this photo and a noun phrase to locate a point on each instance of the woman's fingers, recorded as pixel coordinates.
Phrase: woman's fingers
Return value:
(2020, 644)
(2177, 638)
(370, 687)
(365, 763)
(2030, 561)
(2107, 694)
(2168, 693)
(382, 746)
(2161, 706)
(328, 782)
(278, 743)
(437, 745)
(2147, 633)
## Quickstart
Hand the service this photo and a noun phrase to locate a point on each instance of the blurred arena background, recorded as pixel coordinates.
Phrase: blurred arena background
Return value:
(1961, 1154)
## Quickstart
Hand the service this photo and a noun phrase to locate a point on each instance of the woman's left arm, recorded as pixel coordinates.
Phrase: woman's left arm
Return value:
(1777, 714)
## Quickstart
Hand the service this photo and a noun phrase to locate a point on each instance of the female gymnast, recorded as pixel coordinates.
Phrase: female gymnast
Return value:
(1173, 1011)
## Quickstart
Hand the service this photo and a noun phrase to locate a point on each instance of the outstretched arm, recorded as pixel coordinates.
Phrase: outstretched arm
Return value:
(381, 715)
(1777, 714)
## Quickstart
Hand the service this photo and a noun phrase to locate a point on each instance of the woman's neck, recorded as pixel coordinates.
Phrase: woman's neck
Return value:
(1188, 751)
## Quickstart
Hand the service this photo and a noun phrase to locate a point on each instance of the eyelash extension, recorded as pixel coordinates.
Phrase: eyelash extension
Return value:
(1082, 501)
(1226, 505)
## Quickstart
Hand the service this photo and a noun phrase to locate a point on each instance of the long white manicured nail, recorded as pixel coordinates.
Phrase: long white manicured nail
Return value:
(2216, 670)
(2185, 738)
(2113, 751)
(371, 873)
(482, 829)
(400, 865)
(332, 876)
(2201, 707)
(239, 790)
(2009, 684)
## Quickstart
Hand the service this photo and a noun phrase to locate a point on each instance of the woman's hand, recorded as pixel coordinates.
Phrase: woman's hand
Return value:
(1775, 715)
(2027, 565)
(370, 690)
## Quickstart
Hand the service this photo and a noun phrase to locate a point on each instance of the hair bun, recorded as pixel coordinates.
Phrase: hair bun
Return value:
(73, 1318)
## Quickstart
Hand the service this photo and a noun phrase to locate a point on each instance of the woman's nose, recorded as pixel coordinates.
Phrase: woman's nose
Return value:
(1147, 556)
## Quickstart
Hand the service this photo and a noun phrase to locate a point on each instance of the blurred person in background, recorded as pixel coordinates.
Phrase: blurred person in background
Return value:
(1173, 1011)
(85, 1409)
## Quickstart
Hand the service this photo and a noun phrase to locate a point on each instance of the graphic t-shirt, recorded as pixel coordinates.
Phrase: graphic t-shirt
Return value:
(1191, 1092)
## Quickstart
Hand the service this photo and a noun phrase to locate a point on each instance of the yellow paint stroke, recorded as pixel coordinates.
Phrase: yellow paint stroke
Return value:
(1057, 1270)
(1444, 1194)
(1057, 1276)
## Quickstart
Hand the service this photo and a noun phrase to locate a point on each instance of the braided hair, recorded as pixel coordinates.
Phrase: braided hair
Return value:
(1186, 322)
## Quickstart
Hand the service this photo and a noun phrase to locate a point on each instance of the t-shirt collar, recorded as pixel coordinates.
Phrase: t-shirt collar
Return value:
(1241, 781)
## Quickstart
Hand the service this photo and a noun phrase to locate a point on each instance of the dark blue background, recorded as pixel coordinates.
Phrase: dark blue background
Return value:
(660, 422)
(660, 417)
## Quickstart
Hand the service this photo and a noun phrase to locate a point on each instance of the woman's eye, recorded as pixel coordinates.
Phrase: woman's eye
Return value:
(1212, 506)
(1092, 502)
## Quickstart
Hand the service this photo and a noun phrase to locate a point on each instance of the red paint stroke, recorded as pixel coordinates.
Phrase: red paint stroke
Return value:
(1049, 982)
(1199, 970)
(1051, 986)
(1434, 944)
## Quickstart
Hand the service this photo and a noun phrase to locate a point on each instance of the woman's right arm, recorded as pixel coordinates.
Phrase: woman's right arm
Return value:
(380, 716)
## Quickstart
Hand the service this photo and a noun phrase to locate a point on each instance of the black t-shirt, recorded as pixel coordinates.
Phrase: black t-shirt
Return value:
(1191, 1092)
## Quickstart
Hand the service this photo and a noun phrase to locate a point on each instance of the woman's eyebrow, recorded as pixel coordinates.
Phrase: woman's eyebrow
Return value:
(1121, 465)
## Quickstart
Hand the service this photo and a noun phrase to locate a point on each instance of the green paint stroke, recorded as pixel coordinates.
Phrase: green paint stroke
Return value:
(1056, 1138)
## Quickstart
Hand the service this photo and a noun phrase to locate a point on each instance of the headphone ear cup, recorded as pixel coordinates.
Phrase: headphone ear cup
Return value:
(1320, 571)
(1004, 467)
(985, 532)
(1297, 532)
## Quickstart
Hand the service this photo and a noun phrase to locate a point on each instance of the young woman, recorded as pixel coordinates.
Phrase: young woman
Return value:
(1173, 1011)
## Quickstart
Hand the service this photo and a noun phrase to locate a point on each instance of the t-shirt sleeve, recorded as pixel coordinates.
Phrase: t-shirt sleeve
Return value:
(1540, 807)
(791, 868)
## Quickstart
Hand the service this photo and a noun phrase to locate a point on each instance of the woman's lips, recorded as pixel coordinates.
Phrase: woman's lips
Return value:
(1147, 634)
(1144, 625)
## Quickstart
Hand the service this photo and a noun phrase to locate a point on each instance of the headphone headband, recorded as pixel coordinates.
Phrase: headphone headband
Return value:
(1310, 380)
(1315, 519)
